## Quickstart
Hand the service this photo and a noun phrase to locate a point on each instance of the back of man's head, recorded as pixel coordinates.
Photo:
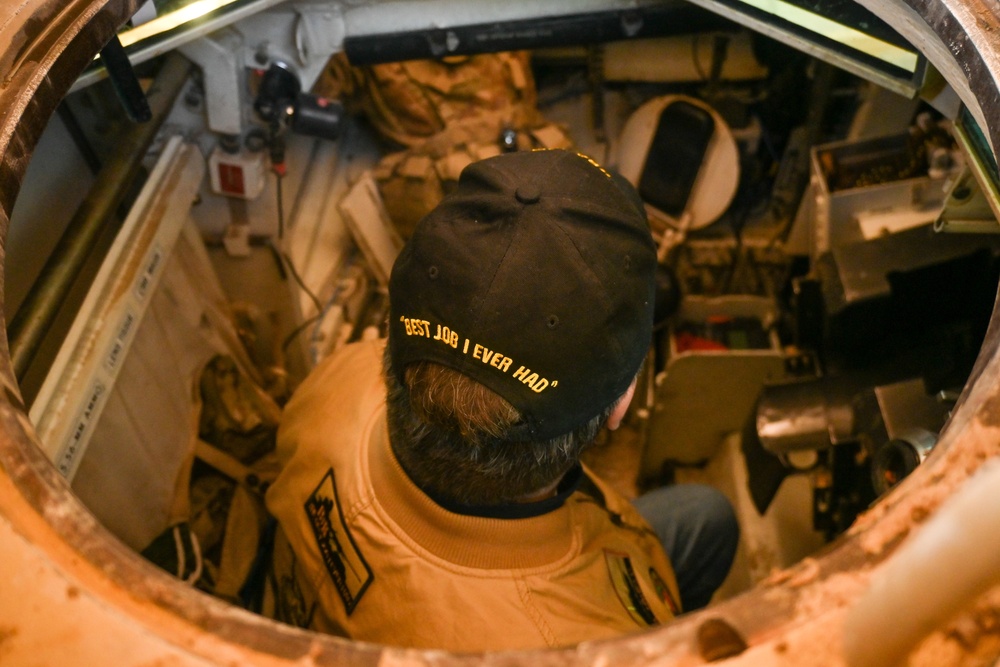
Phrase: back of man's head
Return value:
(520, 311)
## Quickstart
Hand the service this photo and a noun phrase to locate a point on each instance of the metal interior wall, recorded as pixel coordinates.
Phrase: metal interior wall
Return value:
(73, 593)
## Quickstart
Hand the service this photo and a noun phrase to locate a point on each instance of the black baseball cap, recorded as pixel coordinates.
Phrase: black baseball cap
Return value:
(534, 278)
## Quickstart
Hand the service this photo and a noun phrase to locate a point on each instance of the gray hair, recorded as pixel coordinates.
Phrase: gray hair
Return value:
(452, 436)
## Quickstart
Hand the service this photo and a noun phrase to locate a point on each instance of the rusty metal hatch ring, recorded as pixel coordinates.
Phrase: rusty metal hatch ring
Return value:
(70, 593)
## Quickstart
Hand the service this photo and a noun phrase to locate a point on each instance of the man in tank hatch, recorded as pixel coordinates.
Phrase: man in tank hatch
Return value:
(432, 493)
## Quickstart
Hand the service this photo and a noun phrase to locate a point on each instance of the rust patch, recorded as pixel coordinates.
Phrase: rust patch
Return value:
(890, 544)
(28, 38)
(989, 412)
(42, 35)
(26, 98)
(971, 629)
(804, 572)
(72, 592)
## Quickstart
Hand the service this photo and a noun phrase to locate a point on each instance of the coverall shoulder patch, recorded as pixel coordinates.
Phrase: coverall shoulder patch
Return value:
(664, 592)
(347, 567)
(291, 605)
(626, 585)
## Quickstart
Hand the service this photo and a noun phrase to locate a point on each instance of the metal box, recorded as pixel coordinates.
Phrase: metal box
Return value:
(866, 189)
(702, 396)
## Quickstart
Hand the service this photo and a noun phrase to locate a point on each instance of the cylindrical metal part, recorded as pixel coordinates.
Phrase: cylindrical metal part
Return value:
(899, 457)
(40, 307)
(681, 58)
(804, 415)
(279, 88)
(943, 567)
(317, 116)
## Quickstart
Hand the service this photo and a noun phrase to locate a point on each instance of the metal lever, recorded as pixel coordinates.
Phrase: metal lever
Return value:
(123, 79)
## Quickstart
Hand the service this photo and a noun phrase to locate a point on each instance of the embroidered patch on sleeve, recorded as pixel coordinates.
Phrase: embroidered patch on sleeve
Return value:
(291, 603)
(627, 587)
(664, 592)
(345, 564)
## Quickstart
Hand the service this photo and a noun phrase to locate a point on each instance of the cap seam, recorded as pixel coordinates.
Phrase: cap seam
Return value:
(493, 276)
(590, 272)
(528, 419)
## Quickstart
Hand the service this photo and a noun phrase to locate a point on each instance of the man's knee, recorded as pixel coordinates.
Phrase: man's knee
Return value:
(698, 507)
(717, 513)
(699, 531)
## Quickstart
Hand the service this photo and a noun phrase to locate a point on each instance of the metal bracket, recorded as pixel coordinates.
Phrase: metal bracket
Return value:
(125, 82)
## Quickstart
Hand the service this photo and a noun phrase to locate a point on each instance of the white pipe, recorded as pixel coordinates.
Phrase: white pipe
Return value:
(682, 58)
(939, 571)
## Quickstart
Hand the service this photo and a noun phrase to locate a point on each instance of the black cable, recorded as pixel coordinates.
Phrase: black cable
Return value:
(298, 279)
(287, 262)
(285, 259)
(297, 331)
(281, 210)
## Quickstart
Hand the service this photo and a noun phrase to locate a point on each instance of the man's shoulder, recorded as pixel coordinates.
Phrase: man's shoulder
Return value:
(365, 355)
(327, 420)
(341, 393)
(354, 369)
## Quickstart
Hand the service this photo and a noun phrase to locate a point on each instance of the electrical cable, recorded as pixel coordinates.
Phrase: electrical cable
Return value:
(281, 209)
(345, 289)
(284, 259)
(287, 261)
(314, 338)
(300, 282)
(298, 331)
(322, 309)
(283, 255)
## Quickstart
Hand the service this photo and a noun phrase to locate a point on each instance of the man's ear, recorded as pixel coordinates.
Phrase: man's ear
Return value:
(618, 414)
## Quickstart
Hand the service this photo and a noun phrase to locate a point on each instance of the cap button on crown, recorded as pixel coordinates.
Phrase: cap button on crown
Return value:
(527, 194)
